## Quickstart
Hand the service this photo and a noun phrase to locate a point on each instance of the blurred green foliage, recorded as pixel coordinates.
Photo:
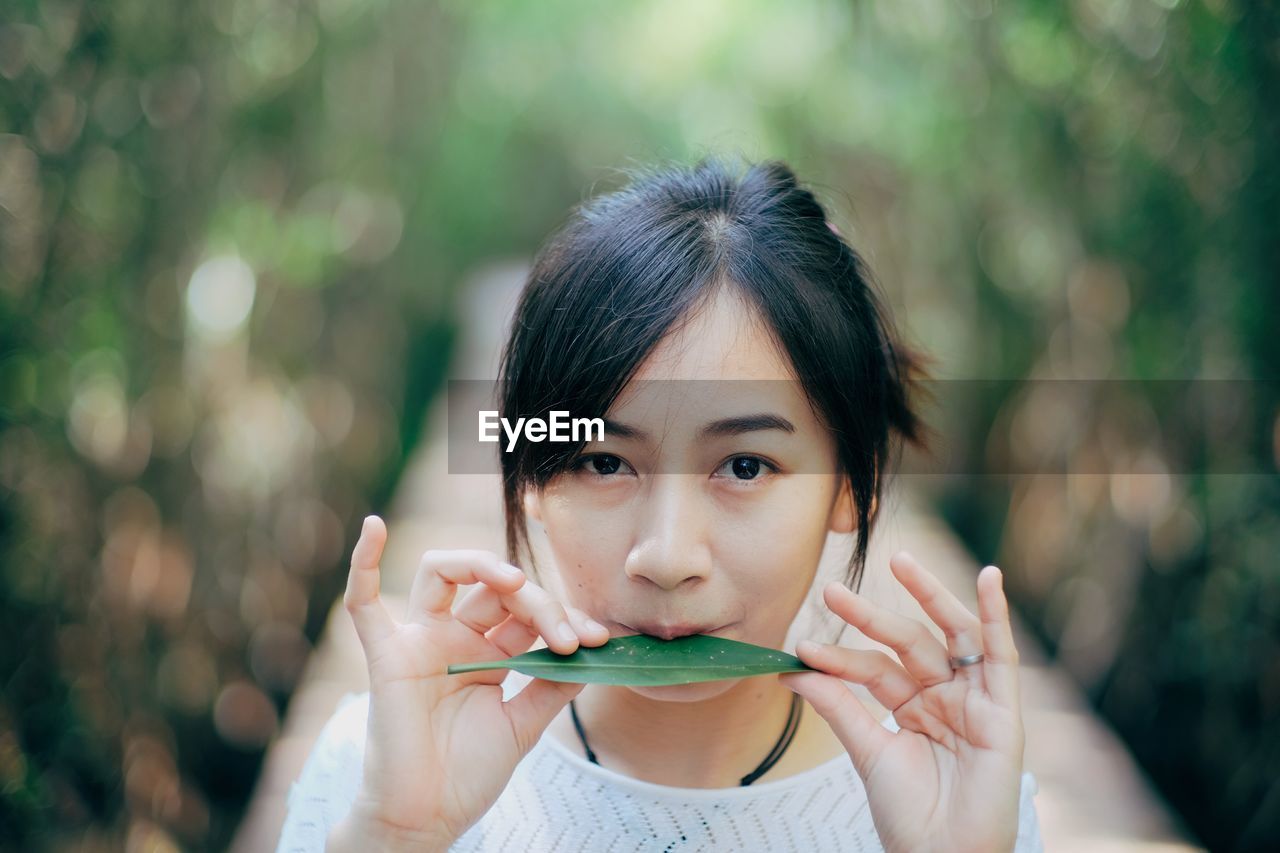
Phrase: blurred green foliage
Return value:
(231, 234)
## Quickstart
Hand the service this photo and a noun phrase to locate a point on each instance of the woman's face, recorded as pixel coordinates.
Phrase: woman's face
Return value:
(672, 530)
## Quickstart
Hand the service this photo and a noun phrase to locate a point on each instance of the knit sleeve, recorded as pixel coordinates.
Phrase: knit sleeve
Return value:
(330, 779)
(1028, 840)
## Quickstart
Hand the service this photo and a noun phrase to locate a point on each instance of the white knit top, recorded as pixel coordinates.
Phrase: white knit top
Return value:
(558, 801)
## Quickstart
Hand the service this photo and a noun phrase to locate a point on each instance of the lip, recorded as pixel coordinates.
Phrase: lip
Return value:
(673, 630)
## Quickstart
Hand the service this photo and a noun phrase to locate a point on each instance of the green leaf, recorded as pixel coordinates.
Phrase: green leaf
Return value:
(640, 659)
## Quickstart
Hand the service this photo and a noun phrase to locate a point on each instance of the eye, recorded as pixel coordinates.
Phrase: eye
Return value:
(748, 468)
(599, 464)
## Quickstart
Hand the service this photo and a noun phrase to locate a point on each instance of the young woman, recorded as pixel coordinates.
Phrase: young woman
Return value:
(755, 400)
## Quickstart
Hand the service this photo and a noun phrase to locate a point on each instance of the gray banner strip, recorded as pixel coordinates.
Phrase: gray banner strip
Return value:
(979, 426)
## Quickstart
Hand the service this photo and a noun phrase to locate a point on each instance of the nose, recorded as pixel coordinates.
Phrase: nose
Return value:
(671, 546)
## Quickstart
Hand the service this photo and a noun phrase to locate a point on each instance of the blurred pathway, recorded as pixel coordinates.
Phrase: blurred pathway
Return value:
(1092, 796)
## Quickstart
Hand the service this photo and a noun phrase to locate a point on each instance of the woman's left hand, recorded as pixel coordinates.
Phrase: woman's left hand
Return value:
(950, 778)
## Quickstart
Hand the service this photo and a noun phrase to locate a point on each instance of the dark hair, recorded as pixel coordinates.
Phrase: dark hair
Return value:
(629, 267)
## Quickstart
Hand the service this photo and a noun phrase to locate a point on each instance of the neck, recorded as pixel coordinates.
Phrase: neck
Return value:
(710, 743)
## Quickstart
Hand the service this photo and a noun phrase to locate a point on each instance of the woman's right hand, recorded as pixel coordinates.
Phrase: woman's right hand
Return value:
(441, 748)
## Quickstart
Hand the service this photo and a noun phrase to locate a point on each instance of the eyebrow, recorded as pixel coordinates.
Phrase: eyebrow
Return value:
(724, 427)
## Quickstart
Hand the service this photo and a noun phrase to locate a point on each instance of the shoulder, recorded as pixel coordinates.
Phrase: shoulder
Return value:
(330, 778)
(341, 739)
(348, 719)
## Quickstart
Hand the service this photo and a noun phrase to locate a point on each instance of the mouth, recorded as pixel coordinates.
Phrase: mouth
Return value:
(671, 631)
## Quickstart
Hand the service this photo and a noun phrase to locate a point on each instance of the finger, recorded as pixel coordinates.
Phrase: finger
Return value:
(1000, 661)
(513, 637)
(441, 571)
(863, 737)
(481, 609)
(590, 632)
(963, 630)
(536, 607)
(942, 606)
(361, 598)
(883, 677)
(920, 652)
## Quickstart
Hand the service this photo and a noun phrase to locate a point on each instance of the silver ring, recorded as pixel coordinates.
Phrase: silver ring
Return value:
(967, 660)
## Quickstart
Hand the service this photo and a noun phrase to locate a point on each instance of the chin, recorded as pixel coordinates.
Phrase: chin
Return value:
(695, 692)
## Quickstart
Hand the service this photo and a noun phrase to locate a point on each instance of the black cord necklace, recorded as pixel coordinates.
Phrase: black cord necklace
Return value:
(793, 724)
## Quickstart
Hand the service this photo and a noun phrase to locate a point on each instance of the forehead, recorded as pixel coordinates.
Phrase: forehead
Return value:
(723, 362)
(726, 338)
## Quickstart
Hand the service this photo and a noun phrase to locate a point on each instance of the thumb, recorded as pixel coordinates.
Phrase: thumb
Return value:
(533, 708)
(862, 736)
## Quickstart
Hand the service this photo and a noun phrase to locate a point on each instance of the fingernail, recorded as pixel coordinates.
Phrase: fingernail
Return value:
(595, 626)
(510, 571)
(806, 647)
(567, 633)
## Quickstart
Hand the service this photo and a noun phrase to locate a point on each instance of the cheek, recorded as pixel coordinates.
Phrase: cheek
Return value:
(768, 545)
(776, 546)
(584, 542)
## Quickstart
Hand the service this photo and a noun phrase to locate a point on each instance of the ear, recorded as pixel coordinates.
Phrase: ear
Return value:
(842, 519)
(533, 504)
